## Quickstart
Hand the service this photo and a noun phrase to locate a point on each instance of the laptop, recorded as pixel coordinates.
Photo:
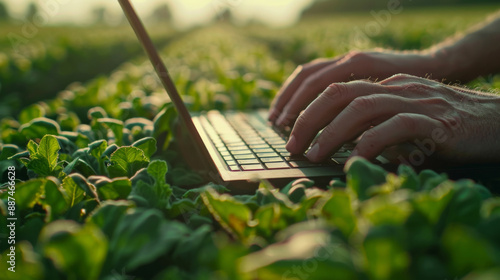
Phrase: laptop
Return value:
(238, 149)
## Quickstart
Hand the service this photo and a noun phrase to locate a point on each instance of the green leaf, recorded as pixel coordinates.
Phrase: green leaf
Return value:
(195, 193)
(69, 168)
(126, 161)
(28, 265)
(432, 203)
(464, 206)
(8, 150)
(147, 145)
(158, 169)
(77, 251)
(391, 209)
(73, 193)
(48, 149)
(39, 127)
(96, 113)
(53, 201)
(385, 257)
(408, 178)
(116, 126)
(184, 207)
(163, 126)
(141, 237)
(467, 251)
(31, 112)
(118, 188)
(327, 257)
(109, 214)
(109, 150)
(43, 159)
(234, 216)
(430, 179)
(32, 147)
(338, 210)
(97, 148)
(27, 193)
(361, 175)
(84, 185)
(184, 177)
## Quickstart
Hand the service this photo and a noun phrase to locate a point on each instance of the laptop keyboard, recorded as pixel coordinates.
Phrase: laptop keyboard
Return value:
(246, 142)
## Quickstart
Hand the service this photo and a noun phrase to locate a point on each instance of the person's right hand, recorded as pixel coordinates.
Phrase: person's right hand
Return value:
(309, 80)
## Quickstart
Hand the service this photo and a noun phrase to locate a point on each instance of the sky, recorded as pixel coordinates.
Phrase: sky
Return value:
(185, 12)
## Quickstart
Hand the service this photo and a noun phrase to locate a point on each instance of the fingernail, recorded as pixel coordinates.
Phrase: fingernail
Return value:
(313, 152)
(291, 143)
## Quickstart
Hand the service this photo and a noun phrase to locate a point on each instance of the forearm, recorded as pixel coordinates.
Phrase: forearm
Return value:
(470, 56)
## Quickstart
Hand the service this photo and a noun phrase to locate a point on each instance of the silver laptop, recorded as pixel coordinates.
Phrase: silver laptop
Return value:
(235, 146)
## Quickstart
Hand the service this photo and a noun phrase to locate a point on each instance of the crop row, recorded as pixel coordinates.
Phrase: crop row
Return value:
(39, 66)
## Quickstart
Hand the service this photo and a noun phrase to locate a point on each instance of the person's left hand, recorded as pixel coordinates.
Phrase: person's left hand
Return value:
(463, 124)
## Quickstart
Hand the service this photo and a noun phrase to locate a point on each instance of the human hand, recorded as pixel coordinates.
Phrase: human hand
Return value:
(463, 124)
(309, 80)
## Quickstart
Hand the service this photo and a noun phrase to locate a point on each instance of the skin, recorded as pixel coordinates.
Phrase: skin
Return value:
(392, 108)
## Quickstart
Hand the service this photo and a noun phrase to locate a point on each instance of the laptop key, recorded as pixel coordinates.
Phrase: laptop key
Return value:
(279, 146)
(256, 142)
(271, 159)
(285, 154)
(248, 161)
(241, 152)
(224, 153)
(277, 165)
(231, 162)
(247, 167)
(247, 156)
(263, 150)
(264, 155)
(234, 168)
(259, 146)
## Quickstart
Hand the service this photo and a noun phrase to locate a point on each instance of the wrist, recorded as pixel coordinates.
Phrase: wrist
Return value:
(450, 65)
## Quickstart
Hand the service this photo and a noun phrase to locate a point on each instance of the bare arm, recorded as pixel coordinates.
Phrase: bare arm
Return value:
(464, 58)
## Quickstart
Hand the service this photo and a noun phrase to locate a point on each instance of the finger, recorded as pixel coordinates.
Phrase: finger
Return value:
(311, 87)
(362, 113)
(292, 84)
(324, 109)
(399, 129)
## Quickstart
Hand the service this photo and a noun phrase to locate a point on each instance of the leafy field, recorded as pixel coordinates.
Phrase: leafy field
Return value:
(92, 185)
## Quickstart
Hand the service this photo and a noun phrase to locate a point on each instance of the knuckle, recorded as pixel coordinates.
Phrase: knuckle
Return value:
(439, 102)
(452, 121)
(397, 78)
(406, 121)
(355, 55)
(370, 135)
(362, 104)
(335, 91)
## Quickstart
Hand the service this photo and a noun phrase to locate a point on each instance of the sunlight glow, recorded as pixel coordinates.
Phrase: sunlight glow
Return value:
(185, 12)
